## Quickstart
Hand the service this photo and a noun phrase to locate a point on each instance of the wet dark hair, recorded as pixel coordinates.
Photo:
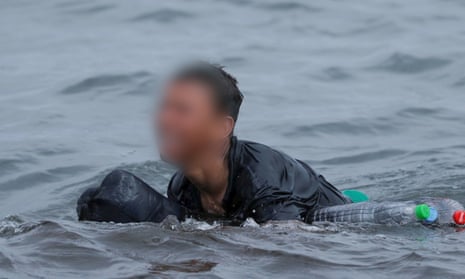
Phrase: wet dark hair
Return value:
(224, 86)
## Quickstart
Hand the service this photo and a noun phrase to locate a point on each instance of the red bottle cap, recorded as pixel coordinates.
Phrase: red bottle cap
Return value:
(459, 217)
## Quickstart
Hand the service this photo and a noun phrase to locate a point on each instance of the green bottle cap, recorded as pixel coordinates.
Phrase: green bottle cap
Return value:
(355, 196)
(422, 211)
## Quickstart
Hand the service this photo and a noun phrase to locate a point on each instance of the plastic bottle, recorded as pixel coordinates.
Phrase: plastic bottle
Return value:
(373, 212)
(448, 211)
(355, 195)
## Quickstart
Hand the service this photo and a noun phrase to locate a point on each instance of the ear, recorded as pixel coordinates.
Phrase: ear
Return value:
(227, 127)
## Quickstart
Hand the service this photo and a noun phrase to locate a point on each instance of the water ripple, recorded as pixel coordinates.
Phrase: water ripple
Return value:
(33, 179)
(163, 16)
(104, 83)
(335, 74)
(91, 10)
(364, 157)
(410, 64)
(355, 127)
(14, 225)
(289, 6)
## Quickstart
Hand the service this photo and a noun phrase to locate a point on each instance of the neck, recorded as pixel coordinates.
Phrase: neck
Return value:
(210, 172)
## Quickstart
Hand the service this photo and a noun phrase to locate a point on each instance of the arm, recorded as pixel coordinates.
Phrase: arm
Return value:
(273, 205)
(174, 187)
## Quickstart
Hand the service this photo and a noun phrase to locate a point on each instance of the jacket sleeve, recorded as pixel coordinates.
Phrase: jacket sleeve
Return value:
(122, 197)
(174, 187)
(273, 204)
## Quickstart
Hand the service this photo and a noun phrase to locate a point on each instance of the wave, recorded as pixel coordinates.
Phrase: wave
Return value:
(410, 64)
(364, 157)
(108, 83)
(163, 16)
(335, 74)
(36, 178)
(96, 9)
(289, 6)
(13, 225)
(400, 120)
(354, 127)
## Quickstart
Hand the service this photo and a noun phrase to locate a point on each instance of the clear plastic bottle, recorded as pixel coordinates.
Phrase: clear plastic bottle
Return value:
(448, 211)
(374, 212)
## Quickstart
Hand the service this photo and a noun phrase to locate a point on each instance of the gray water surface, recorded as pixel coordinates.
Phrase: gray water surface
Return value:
(370, 93)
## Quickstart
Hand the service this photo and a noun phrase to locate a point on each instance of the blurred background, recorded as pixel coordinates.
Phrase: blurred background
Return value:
(370, 93)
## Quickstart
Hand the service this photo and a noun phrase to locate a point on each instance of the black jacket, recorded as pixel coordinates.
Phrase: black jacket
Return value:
(264, 184)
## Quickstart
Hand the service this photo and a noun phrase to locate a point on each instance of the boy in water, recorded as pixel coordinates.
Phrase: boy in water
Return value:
(220, 176)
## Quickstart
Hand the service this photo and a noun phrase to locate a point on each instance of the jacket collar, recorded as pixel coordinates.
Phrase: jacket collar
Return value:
(232, 165)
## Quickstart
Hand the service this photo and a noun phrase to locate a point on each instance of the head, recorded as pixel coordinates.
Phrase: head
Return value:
(198, 112)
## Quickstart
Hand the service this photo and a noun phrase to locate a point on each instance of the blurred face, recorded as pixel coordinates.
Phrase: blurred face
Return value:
(189, 123)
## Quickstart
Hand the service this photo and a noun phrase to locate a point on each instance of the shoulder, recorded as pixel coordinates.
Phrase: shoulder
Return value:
(257, 155)
(263, 166)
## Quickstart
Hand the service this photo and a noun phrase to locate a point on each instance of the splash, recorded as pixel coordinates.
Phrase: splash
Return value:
(13, 225)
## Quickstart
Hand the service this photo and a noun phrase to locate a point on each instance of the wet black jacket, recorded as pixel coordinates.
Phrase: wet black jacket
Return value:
(264, 184)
